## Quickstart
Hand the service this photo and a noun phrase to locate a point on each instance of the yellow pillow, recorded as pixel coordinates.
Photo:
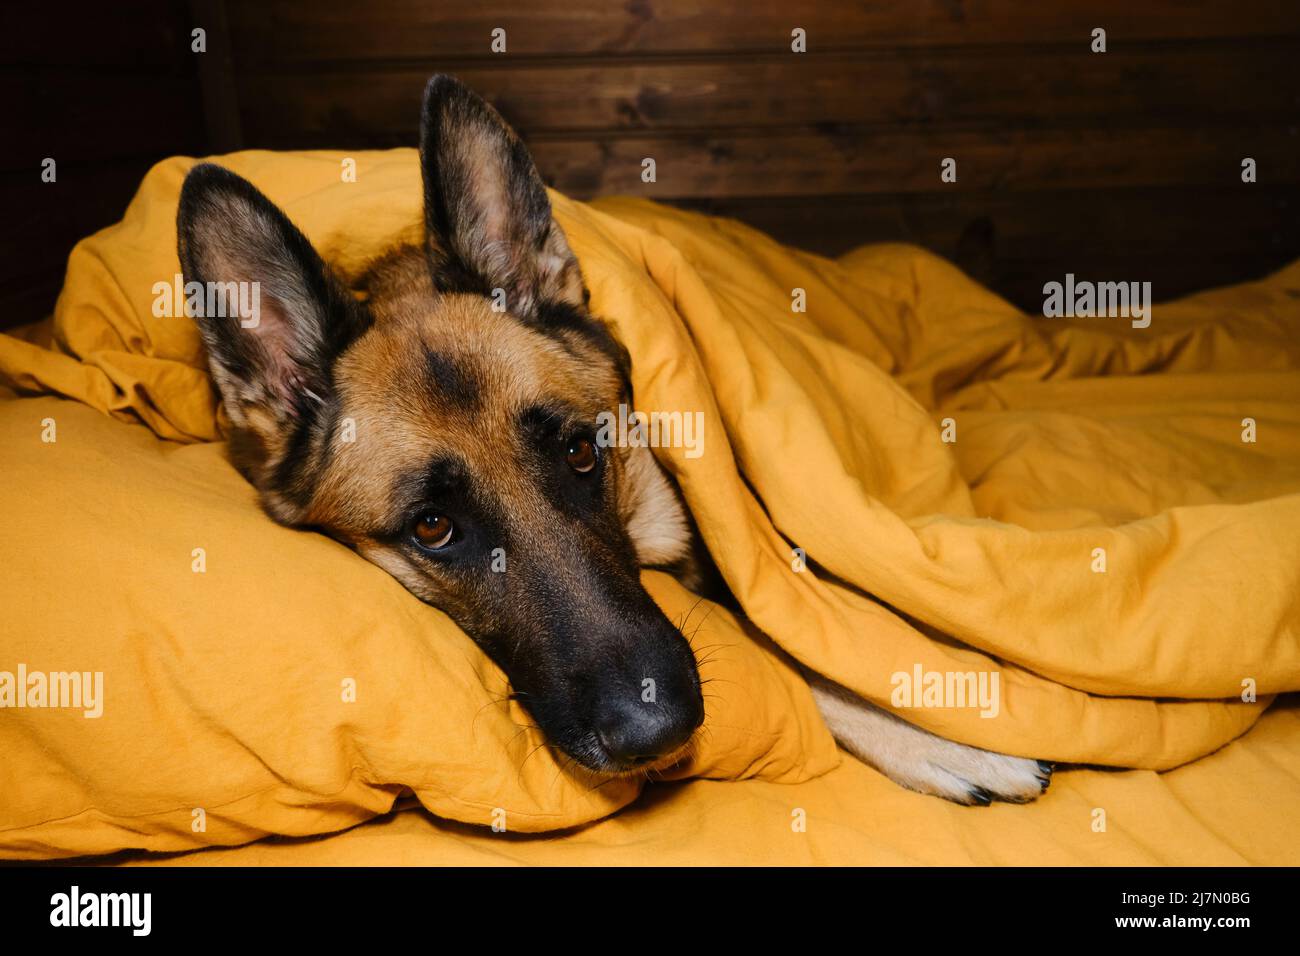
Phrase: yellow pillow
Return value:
(244, 679)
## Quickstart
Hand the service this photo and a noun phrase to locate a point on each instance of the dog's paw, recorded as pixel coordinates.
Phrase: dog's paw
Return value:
(971, 776)
(922, 761)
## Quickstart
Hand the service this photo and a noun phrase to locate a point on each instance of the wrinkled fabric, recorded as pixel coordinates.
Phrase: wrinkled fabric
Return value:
(897, 472)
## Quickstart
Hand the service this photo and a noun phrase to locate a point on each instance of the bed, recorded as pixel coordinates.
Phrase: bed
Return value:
(1097, 515)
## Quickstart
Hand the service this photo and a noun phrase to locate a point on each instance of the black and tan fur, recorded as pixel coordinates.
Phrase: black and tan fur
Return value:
(484, 422)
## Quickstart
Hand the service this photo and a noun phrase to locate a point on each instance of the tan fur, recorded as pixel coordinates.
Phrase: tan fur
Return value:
(920, 760)
(425, 379)
(397, 426)
(652, 510)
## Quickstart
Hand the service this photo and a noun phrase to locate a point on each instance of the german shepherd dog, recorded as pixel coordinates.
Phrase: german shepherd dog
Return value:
(486, 438)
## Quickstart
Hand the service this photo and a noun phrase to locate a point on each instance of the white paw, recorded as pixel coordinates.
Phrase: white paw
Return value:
(969, 775)
(922, 761)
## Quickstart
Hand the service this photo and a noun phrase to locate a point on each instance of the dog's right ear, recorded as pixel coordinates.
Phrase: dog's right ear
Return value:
(272, 315)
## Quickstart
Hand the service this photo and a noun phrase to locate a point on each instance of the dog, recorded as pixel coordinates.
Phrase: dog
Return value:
(488, 447)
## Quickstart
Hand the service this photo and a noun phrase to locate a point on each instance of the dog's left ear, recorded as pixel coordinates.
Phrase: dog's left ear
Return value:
(486, 211)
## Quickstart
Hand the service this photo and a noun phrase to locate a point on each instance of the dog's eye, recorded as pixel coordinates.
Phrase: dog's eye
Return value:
(433, 531)
(581, 455)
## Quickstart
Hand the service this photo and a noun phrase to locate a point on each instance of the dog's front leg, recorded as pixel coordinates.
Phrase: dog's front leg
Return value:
(920, 760)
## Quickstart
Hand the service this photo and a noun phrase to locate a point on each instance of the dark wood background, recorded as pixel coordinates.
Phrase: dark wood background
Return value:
(1122, 165)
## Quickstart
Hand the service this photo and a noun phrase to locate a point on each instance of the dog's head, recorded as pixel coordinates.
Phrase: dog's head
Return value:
(446, 428)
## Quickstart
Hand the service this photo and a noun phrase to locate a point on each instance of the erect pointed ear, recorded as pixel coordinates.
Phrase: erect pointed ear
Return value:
(272, 315)
(488, 218)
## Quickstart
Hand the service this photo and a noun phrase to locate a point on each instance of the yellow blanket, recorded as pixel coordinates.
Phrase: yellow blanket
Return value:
(904, 480)
(1115, 523)
(1233, 808)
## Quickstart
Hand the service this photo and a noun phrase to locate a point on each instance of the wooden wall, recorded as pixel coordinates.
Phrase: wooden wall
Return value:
(1122, 165)
(105, 90)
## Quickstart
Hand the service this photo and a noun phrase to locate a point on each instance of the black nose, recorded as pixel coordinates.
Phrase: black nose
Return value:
(634, 733)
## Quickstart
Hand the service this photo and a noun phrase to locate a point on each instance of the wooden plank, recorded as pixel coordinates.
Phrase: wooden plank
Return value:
(29, 300)
(268, 31)
(1061, 222)
(819, 161)
(216, 76)
(45, 220)
(1196, 86)
(83, 36)
(892, 161)
(1020, 281)
(117, 115)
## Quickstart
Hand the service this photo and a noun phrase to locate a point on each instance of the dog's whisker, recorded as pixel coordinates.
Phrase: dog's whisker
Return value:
(686, 620)
(719, 680)
(716, 656)
(523, 731)
(563, 764)
(520, 776)
(601, 784)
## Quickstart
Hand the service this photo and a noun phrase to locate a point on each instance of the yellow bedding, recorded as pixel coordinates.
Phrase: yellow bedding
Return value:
(1233, 808)
(253, 679)
(1103, 521)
